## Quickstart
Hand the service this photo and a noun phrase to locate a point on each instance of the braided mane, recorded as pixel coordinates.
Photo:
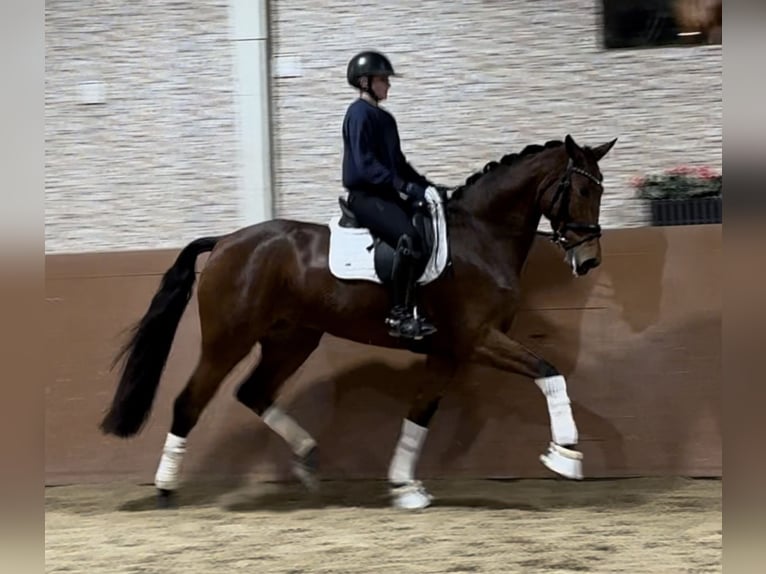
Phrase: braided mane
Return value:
(508, 160)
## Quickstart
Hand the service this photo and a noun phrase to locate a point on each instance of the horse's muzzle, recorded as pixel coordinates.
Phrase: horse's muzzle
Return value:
(584, 257)
(587, 265)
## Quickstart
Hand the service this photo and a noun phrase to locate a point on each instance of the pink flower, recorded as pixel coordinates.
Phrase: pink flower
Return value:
(681, 170)
(703, 172)
(637, 181)
(706, 173)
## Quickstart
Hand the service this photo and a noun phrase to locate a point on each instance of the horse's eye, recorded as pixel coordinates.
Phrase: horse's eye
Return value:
(584, 191)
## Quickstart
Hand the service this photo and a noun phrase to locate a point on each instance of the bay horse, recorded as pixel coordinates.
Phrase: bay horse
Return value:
(270, 283)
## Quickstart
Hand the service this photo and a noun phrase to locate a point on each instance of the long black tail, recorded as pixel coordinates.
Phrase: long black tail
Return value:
(150, 343)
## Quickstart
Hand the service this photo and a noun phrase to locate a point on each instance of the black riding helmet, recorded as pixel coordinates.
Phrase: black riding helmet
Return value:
(368, 64)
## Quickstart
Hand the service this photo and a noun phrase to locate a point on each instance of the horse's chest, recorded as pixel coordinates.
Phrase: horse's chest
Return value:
(506, 284)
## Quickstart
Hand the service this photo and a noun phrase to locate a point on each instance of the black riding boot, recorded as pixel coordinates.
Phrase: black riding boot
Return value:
(401, 320)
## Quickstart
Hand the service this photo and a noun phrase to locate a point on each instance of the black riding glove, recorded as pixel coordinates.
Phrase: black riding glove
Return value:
(414, 191)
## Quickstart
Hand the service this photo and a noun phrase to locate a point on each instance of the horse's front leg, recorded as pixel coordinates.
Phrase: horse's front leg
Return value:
(497, 350)
(406, 491)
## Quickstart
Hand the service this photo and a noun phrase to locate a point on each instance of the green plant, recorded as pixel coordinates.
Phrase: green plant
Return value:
(680, 182)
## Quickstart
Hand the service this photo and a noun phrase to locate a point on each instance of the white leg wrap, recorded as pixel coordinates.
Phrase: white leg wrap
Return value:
(285, 426)
(169, 468)
(563, 426)
(402, 468)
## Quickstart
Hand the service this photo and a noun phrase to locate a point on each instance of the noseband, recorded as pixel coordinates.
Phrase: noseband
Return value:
(563, 194)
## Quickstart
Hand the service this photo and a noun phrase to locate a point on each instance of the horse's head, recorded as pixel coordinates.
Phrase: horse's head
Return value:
(572, 203)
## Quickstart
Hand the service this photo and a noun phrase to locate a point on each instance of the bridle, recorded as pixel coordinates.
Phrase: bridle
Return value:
(563, 194)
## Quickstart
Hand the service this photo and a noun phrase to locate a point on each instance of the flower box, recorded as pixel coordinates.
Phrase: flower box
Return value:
(683, 196)
(686, 211)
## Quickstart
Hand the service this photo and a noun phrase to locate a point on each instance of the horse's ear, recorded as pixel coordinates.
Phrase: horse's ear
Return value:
(573, 150)
(603, 149)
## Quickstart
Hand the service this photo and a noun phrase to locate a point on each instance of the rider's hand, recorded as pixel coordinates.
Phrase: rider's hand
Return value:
(415, 191)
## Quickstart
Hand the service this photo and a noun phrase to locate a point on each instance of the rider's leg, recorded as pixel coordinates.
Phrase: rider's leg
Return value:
(387, 219)
(391, 222)
(401, 320)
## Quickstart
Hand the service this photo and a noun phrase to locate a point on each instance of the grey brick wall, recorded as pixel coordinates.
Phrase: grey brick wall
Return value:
(156, 163)
(483, 78)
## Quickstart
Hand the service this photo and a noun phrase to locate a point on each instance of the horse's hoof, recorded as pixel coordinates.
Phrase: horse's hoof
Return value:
(563, 461)
(410, 496)
(305, 469)
(165, 499)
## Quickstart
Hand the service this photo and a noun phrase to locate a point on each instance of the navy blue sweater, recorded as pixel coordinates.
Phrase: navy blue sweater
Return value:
(372, 157)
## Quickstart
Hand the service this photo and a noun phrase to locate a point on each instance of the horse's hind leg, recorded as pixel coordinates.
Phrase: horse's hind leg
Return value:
(281, 355)
(218, 358)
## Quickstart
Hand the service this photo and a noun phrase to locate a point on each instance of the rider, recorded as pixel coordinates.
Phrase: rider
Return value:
(384, 189)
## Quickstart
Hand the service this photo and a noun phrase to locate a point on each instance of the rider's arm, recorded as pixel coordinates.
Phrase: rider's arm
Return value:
(369, 167)
(409, 173)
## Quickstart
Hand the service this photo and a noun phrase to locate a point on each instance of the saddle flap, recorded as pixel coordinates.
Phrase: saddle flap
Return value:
(424, 225)
(351, 258)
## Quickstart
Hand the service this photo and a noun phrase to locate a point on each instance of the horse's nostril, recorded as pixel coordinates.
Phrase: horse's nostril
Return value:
(587, 265)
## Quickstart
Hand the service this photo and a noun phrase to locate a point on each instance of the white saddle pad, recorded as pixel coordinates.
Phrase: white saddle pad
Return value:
(350, 257)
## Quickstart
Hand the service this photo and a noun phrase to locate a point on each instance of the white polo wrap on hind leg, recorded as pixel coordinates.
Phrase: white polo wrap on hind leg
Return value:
(563, 427)
(169, 468)
(402, 468)
(285, 426)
